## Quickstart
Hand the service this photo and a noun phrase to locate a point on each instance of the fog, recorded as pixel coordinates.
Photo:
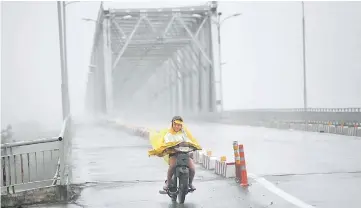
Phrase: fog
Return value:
(31, 60)
(262, 50)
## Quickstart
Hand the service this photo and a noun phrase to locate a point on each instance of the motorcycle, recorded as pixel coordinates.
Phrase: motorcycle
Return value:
(180, 180)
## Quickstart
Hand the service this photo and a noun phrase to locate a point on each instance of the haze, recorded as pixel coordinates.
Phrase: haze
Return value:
(262, 50)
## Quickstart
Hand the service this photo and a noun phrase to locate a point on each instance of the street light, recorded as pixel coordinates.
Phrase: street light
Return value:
(89, 20)
(219, 23)
(230, 16)
(305, 104)
(63, 61)
(63, 56)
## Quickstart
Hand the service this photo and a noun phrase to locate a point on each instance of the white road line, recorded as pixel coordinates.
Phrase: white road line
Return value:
(274, 189)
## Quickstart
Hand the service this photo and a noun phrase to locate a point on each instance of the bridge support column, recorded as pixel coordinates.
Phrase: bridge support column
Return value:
(186, 96)
(98, 83)
(202, 104)
(90, 93)
(179, 90)
(193, 73)
(108, 69)
(172, 91)
(194, 92)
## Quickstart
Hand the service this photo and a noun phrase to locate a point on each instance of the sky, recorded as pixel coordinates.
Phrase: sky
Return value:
(262, 50)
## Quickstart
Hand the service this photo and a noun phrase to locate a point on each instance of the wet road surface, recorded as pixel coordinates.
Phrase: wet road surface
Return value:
(323, 170)
(113, 170)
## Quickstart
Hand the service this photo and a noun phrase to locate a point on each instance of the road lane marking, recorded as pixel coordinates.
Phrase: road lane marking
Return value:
(274, 189)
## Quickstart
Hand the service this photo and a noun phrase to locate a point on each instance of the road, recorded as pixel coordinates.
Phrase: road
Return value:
(113, 169)
(302, 164)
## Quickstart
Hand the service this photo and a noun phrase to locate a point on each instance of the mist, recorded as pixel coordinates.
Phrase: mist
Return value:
(262, 51)
(31, 77)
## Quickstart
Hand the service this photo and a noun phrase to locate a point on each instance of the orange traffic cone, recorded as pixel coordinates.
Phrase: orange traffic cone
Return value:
(243, 170)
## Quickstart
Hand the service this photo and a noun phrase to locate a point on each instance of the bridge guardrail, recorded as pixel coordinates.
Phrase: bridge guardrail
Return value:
(35, 164)
(24, 167)
(345, 121)
(64, 172)
(336, 116)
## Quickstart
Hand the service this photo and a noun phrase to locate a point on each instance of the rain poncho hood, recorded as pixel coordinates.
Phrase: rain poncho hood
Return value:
(160, 147)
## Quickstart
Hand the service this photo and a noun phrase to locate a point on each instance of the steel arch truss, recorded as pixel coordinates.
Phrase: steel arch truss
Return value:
(164, 59)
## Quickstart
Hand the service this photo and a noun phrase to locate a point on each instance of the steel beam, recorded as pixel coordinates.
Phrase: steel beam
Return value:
(165, 11)
(160, 41)
(107, 55)
(201, 26)
(186, 62)
(192, 60)
(142, 43)
(145, 73)
(126, 43)
(195, 40)
(178, 86)
(119, 28)
(149, 23)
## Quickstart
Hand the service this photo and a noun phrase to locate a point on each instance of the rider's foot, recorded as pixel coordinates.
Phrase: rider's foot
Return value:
(192, 187)
(165, 187)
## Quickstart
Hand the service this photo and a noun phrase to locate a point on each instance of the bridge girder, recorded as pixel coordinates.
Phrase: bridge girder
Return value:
(167, 56)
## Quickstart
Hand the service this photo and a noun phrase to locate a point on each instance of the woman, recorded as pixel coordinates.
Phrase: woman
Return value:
(169, 138)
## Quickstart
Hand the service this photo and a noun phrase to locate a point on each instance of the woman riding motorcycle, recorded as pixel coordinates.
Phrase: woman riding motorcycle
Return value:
(164, 140)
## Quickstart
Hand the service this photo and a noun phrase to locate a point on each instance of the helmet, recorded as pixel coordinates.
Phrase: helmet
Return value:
(177, 118)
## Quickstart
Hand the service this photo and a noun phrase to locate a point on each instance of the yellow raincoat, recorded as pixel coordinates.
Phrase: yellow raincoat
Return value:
(160, 148)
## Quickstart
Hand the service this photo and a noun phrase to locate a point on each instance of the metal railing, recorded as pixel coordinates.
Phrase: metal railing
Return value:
(336, 116)
(344, 121)
(35, 164)
(63, 173)
(322, 110)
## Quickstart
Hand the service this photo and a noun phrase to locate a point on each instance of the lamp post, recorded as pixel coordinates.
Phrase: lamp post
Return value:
(61, 6)
(66, 54)
(305, 104)
(219, 23)
(220, 57)
(64, 74)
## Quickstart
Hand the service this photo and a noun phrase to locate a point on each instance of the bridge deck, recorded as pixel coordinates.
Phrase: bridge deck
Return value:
(113, 169)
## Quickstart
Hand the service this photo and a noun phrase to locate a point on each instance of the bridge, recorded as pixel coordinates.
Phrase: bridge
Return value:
(156, 58)
(148, 65)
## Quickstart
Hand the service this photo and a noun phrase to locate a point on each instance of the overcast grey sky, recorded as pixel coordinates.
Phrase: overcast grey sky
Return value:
(262, 50)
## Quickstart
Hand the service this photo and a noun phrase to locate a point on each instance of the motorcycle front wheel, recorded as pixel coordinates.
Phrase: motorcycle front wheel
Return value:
(183, 188)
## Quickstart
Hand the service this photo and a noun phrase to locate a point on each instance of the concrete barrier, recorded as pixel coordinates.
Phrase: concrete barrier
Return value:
(198, 156)
(52, 194)
(225, 169)
(357, 131)
(332, 129)
(209, 162)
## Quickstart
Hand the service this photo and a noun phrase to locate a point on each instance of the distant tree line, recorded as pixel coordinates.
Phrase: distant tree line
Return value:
(7, 135)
